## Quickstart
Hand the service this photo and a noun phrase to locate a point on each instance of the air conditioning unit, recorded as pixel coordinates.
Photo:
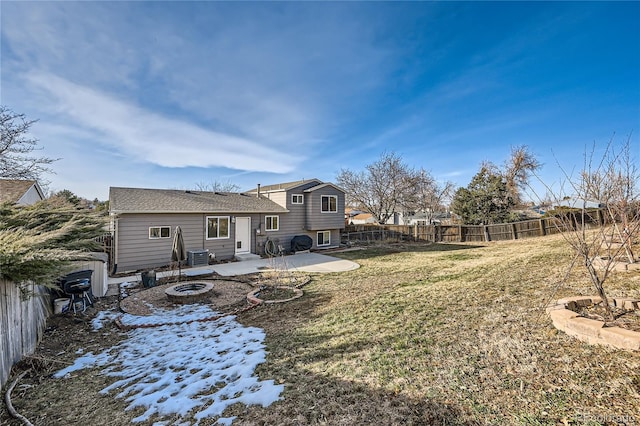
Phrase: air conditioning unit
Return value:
(197, 257)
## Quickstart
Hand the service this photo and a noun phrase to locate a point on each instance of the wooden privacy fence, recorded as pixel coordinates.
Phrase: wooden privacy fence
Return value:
(461, 233)
(22, 323)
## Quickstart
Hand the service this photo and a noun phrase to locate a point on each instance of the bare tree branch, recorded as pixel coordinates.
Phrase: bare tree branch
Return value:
(383, 189)
(217, 186)
(518, 170)
(611, 179)
(17, 159)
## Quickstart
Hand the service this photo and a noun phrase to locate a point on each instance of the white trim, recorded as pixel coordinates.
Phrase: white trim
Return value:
(266, 224)
(159, 237)
(324, 185)
(327, 243)
(239, 235)
(206, 228)
(297, 195)
(329, 205)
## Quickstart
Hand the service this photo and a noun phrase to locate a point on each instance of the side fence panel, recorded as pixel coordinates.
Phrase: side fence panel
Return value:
(22, 323)
(466, 233)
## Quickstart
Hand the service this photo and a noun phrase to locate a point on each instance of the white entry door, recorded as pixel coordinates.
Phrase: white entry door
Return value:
(243, 235)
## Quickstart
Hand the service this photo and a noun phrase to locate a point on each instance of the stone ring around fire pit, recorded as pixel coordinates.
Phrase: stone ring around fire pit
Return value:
(189, 292)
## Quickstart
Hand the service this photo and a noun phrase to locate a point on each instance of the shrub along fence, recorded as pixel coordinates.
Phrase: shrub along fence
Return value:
(22, 323)
(468, 233)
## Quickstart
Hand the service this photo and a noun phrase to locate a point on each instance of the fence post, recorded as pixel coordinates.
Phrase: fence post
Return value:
(514, 231)
(486, 233)
(543, 231)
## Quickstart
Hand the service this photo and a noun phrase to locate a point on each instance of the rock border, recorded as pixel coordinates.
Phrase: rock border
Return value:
(252, 297)
(618, 265)
(592, 331)
(179, 293)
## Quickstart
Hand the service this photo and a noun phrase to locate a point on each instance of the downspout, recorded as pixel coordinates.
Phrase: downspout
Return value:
(115, 243)
(204, 232)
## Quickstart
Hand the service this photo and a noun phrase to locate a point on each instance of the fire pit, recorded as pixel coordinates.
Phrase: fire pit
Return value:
(189, 292)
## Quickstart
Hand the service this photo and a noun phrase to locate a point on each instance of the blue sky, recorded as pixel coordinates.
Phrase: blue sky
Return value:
(169, 95)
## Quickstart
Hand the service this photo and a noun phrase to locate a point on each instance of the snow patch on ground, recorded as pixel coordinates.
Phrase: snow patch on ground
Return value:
(185, 367)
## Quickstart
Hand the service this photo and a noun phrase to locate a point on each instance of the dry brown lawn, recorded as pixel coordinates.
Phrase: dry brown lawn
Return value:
(420, 334)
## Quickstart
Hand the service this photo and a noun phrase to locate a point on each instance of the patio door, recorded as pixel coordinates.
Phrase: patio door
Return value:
(243, 235)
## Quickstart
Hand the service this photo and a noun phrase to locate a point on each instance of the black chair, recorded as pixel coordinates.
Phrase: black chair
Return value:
(77, 285)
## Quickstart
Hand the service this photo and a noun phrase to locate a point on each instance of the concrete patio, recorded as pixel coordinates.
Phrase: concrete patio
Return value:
(303, 262)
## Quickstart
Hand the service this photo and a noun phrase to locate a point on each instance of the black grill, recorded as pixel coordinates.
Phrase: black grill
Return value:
(77, 285)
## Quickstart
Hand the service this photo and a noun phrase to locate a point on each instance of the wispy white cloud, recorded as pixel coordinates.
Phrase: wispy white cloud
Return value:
(227, 88)
(308, 88)
(150, 137)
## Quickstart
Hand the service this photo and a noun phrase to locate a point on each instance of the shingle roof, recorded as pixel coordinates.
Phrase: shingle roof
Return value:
(141, 200)
(363, 216)
(11, 190)
(324, 185)
(283, 186)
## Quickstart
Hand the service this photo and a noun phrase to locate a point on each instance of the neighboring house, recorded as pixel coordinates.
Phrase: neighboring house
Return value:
(362, 219)
(579, 203)
(143, 221)
(395, 219)
(541, 210)
(20, 192)
(440, 218)
(350, 212)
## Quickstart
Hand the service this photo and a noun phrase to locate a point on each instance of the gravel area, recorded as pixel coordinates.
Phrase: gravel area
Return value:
(227, 295)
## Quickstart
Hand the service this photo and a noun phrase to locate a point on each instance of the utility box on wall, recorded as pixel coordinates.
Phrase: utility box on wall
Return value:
(197, 257)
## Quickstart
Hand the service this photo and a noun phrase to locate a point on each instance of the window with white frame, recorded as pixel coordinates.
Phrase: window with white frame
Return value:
(217, 227)
(156, 232)
(329, 204)
(297, 199)
(271, 223)
(324, 238)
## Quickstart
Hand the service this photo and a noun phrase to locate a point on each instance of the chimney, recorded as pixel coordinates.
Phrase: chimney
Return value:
(258, 191)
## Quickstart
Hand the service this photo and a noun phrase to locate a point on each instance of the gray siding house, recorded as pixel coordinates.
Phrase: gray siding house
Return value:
(143, 221)
(20, 192)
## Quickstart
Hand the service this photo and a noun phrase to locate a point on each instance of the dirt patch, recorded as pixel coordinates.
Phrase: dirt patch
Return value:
(47, 401)
(623, 318)
(226, 295)
(276, 293)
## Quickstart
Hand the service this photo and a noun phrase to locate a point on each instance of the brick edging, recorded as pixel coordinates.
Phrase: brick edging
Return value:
(252, 296)
(592, 331)
(254, 302)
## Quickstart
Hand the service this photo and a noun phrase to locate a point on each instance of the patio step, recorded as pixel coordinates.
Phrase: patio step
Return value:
(247, 256)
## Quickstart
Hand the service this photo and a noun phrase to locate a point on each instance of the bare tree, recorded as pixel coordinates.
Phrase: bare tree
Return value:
(217, 186)
(383, 188)
(615, 183)
(518, 170)
(611, 180)
(17, 149)
(429, 196)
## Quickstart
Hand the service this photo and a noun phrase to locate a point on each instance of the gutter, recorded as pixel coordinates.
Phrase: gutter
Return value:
(119, 212)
